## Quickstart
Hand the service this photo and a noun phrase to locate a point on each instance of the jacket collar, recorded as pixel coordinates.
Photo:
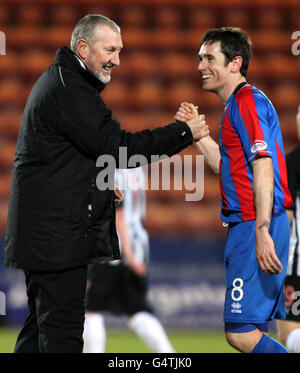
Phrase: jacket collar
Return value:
(65, 57)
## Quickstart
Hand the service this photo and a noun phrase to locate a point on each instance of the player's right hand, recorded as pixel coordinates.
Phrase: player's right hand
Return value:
(188, 113)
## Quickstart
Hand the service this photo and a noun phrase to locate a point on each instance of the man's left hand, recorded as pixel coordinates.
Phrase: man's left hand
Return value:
(119, 196)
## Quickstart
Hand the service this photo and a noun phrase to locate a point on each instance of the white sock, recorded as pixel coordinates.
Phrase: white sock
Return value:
(293, 341)
(94, 334)
(150, 330)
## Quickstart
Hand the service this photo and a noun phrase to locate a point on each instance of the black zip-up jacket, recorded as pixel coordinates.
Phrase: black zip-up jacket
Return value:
(65, 128)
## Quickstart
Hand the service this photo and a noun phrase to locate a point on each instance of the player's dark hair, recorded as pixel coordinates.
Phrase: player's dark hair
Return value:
(234, 42)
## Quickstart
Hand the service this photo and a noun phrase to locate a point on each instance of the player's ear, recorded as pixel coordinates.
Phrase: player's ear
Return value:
(236, 64)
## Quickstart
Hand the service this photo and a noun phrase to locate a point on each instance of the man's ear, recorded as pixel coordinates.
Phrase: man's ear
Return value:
(236, 64)
(82, 49)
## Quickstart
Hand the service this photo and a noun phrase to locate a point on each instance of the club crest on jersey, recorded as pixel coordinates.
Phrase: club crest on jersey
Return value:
(258, 145)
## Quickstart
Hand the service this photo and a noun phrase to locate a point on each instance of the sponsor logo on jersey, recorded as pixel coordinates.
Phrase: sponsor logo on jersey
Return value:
(236, 307)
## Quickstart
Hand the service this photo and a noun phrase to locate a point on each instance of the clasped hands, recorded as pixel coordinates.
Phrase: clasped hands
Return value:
(188, 113)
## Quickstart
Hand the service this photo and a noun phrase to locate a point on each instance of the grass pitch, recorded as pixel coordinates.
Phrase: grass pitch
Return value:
(127, 342)
(183, 342)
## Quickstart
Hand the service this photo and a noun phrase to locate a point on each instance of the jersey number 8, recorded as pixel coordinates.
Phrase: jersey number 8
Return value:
(237, 292)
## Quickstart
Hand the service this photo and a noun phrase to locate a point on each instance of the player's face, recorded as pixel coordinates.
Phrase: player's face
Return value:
(103, 54)
(212, 67)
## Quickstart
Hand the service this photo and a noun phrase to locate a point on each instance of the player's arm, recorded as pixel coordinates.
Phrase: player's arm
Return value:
(206, 145)
(123, 232)
(211, 151)
(263, 192)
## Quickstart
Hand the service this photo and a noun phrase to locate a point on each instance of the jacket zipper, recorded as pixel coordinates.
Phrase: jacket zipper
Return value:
(90, 211)
(90, 206)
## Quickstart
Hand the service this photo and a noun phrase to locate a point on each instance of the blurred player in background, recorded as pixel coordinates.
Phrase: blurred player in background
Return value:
(251, 163)
(289, 329)
(120, 287)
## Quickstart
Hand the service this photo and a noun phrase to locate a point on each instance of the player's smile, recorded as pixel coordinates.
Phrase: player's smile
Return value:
(206, 76)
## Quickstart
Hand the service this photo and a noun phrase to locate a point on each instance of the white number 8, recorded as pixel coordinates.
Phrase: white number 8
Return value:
(237, 287)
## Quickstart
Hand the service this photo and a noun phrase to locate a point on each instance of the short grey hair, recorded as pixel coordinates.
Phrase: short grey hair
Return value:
(85, 28)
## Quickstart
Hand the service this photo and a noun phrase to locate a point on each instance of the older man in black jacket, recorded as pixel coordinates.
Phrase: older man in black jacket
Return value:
(58, 220)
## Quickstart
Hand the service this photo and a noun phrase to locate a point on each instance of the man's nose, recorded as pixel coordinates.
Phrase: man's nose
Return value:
(116, 59)
(201, 66)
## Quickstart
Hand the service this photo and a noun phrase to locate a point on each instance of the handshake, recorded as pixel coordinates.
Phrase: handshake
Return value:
(188, 113)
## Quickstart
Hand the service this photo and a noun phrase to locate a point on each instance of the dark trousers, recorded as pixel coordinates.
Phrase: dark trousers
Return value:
(56, 302)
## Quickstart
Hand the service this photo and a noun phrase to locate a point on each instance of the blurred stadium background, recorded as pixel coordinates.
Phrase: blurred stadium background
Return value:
(158, 71)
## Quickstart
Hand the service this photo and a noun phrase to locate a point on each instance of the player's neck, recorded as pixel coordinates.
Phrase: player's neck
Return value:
(229, 88)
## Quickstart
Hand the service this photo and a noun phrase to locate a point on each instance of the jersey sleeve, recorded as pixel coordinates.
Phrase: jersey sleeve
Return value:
(249, 116)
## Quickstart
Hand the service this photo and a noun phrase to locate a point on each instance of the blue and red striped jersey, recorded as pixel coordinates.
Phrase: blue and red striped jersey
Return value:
(249, 129)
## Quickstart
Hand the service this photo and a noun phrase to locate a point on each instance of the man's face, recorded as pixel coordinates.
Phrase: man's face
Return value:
(212, 67)
(103, 53)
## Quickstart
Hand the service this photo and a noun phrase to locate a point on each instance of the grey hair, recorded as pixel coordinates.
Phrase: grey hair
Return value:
(85, 28)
